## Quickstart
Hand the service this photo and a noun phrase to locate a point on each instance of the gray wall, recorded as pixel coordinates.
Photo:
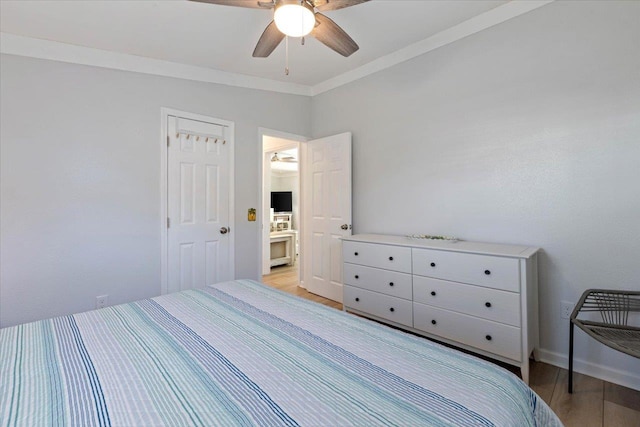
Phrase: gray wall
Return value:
(80, 179)
(527, 133)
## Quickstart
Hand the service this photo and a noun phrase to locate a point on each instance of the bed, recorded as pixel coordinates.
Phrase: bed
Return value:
(241, 353)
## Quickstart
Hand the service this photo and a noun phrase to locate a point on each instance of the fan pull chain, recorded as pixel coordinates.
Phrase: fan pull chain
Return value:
(286, 49)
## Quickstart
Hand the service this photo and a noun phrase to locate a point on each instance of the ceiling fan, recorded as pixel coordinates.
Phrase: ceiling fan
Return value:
(285, 159)
(297, 18)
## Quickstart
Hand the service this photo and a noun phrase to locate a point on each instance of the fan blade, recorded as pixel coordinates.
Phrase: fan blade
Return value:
(269, 40)
(325, 5)
(329, 33)
(254, 4)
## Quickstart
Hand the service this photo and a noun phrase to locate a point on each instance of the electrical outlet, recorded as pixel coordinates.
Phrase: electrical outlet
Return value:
(565, 309)
(101, 301)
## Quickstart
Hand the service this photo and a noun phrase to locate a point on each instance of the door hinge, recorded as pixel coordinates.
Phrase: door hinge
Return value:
(168, 139)
(168, 222)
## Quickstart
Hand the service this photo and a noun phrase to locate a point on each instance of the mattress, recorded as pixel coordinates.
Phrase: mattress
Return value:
(241, 354)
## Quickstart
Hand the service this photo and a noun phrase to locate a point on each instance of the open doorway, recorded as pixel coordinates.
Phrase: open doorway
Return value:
(281, 196)
(324, 217)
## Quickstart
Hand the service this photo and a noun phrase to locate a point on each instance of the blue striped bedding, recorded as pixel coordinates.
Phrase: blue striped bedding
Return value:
(240, 353)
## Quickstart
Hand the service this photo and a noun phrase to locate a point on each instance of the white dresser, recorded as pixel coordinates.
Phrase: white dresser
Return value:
(482, 297)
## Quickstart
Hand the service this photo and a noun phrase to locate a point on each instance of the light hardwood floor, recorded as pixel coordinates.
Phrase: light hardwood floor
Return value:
(594, 403)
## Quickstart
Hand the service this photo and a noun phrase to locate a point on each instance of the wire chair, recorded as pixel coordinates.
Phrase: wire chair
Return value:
(613, 331)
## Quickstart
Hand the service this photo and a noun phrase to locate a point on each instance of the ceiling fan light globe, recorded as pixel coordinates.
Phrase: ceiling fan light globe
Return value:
(294, 20)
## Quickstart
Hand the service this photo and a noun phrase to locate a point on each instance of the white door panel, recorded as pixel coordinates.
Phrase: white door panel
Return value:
(198, 204)
(328, 219)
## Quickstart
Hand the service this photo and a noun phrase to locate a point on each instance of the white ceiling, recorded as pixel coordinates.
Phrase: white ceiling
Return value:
(222, 37)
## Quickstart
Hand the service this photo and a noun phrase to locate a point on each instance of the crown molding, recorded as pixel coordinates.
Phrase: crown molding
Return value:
(13, 44)
(471, 26)
(45, 49)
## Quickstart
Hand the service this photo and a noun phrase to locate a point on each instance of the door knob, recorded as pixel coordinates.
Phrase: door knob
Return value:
(344, 226)
(224, 230)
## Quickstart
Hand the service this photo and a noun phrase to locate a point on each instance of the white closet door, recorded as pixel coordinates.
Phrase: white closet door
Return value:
(198, 240)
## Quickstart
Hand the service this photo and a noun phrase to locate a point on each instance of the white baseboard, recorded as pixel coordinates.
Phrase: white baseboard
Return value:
(606, 373)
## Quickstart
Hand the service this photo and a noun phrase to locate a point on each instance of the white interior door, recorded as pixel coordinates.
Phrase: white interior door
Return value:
(327, 213)
(198, 174)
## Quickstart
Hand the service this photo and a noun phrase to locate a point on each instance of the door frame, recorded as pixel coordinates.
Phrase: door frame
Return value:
(164, 181)
(263, 241)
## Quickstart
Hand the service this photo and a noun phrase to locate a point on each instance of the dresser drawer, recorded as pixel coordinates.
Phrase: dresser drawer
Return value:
(374, 279)
(389, 257)
(387, 307)
(483, 334)
(483, 270)
(492, 304)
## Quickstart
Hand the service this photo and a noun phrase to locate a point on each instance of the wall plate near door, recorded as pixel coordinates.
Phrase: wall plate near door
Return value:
(565, 309)
(102, 301)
